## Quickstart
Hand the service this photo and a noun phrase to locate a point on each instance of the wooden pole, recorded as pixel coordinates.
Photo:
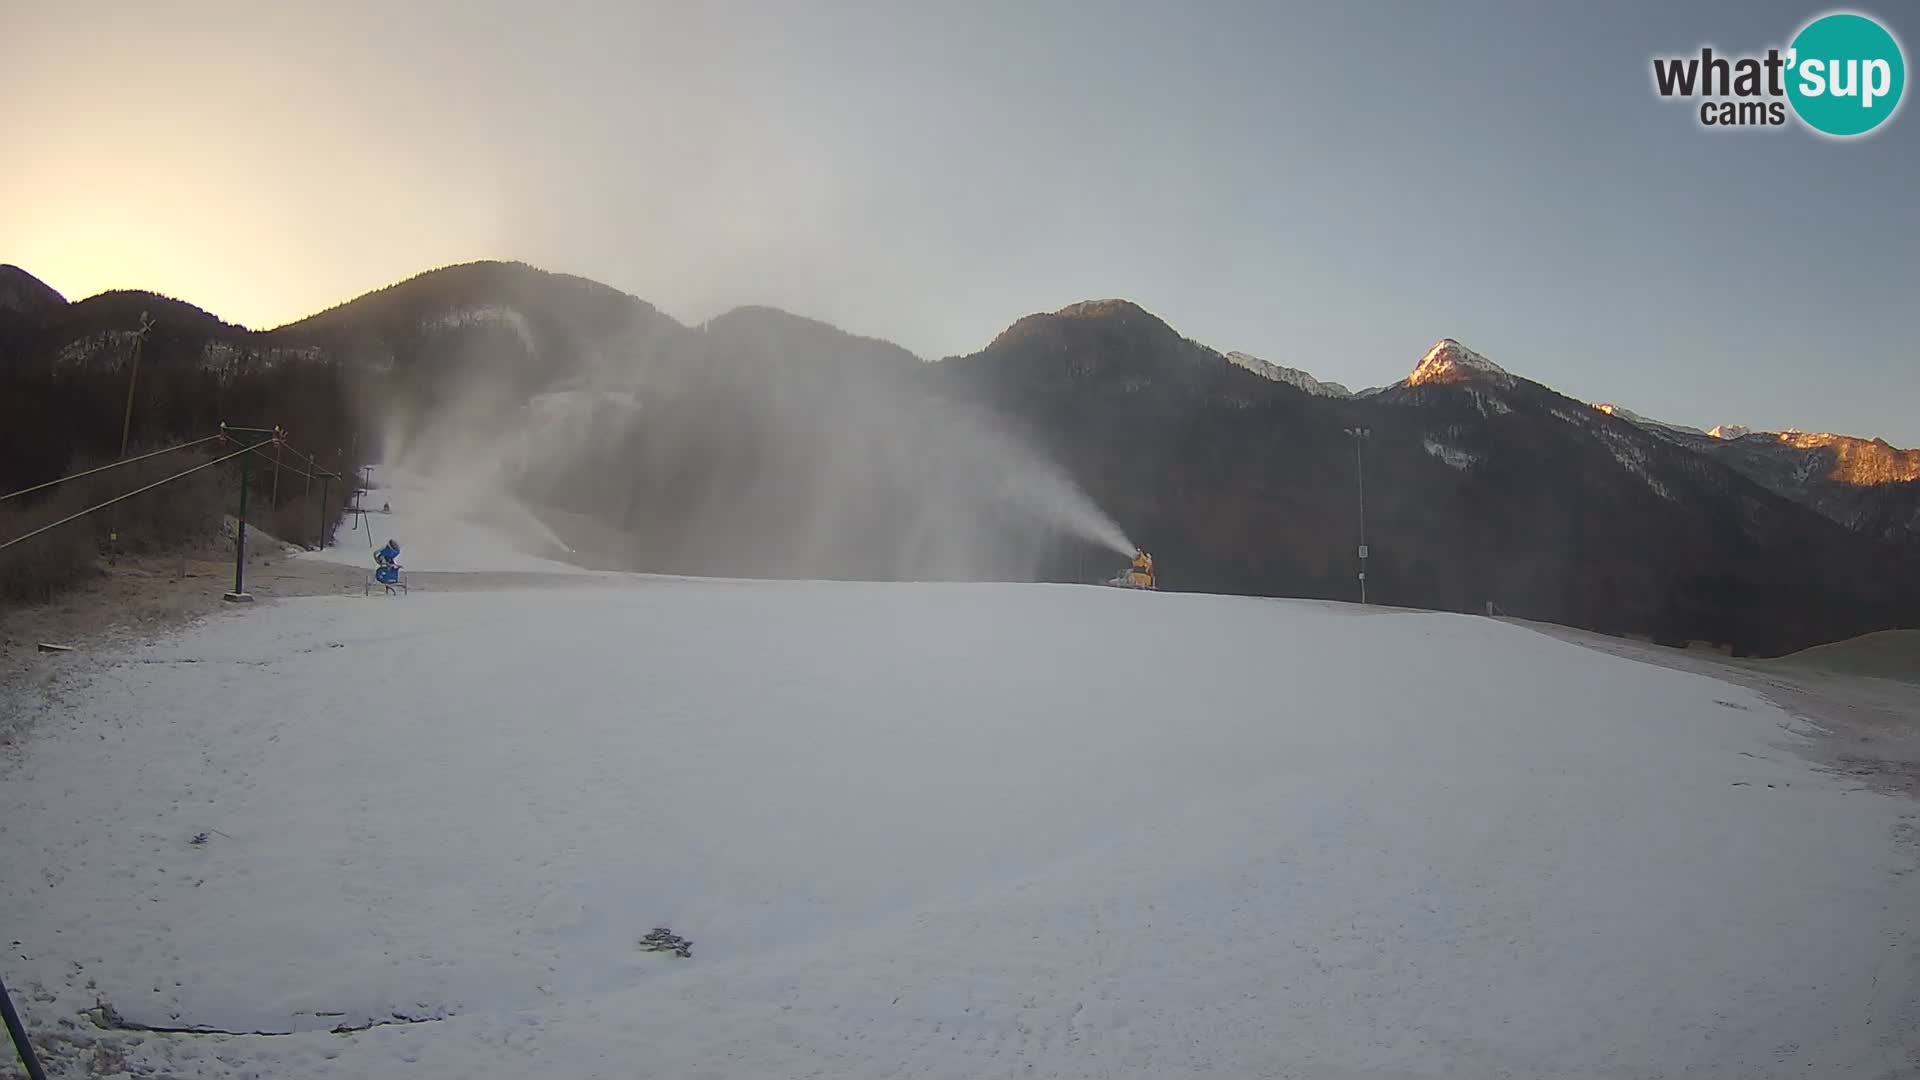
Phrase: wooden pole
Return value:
(133, 376)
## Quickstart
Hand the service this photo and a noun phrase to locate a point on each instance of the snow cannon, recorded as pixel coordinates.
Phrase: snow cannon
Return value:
(386, 569)
(1139, 575)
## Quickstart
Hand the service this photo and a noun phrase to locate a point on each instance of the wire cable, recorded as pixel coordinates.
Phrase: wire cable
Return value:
(312, 462)
(111, 465)
(122, 498)
(279, 464)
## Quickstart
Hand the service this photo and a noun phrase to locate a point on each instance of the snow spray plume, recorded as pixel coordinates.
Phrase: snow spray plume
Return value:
(761, 444)
(474, 444)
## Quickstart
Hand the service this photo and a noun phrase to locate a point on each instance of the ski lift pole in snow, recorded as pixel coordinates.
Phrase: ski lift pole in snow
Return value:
(321, 543)
(250, 438)
(18, 1031)
(357, 504)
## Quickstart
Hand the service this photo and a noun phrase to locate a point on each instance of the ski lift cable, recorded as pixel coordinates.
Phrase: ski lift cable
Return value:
(312, 462)
(278, 463)
(279, 443)
(110, 465)
(278, 440)
(122, 498)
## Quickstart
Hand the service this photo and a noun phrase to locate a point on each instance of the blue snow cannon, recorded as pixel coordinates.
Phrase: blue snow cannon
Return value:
(386, 565)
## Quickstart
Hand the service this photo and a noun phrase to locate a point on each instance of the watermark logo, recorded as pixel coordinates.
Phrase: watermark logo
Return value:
(1842, 75)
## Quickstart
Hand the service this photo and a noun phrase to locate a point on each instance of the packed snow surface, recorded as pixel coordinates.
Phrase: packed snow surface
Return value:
(939, 830)
(445, 527)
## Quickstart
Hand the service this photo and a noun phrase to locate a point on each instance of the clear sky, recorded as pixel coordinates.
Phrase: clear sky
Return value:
(1330, 186)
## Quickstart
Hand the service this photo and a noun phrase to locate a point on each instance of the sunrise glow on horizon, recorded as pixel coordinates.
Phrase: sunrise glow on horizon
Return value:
(265, 163)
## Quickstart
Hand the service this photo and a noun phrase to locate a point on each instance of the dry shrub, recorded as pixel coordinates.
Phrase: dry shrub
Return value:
(32, 572)
(294, 521)
(182, 513)
(297, 517)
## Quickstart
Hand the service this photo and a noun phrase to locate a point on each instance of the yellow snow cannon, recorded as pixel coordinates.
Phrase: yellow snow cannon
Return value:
(1140, 575)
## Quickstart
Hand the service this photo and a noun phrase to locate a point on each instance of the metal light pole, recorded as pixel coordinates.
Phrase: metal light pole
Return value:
(1360, 476)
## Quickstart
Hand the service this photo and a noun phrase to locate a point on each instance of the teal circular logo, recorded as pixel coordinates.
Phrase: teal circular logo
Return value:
(1845, 74)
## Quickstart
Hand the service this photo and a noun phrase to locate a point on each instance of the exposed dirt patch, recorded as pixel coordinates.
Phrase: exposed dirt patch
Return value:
(135, 598)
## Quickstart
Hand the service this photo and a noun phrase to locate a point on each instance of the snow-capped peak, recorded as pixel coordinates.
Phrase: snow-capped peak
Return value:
(1632, 417)
(1293, 377)
(1450, 361)
(1730, 431)
(1620, 411)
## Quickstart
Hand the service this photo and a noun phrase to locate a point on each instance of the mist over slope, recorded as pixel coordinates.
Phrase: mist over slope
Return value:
(762, 443)
(759, 443)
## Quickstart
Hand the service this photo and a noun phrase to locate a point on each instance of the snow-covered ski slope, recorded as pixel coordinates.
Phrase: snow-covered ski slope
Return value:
(445, 526)
(942, 830)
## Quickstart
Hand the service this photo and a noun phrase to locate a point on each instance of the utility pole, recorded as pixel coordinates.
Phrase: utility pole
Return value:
(1360, 476)
(133, 375)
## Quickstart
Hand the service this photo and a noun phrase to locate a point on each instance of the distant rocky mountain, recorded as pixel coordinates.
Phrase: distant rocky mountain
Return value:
(1291, 376)
(1481, 486)
(765, 443)
(768, 337)
(1451, 362)
(507, 318)
(95, 336)
(1800, 459)
(1658, 426)
(1864, 484)
(23, 294)
(67, 378)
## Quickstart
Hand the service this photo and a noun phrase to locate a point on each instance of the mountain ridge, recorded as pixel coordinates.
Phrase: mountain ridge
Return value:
(1447, 358)
(25, 294)
(1482, 486)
